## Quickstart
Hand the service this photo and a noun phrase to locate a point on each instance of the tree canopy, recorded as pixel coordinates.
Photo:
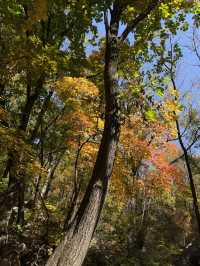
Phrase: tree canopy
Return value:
(99, 161)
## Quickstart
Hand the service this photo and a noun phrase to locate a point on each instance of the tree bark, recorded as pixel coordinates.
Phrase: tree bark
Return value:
(47, 186)
(30, 101)
(16, 184)
(188, 164)
(40, 116)
(72, 250)
(190, 176)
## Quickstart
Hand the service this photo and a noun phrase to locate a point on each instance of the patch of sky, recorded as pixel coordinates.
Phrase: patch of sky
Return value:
(188, 69)
(187, 75)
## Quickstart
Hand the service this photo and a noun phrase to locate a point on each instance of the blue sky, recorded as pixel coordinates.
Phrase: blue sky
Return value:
(188, 69)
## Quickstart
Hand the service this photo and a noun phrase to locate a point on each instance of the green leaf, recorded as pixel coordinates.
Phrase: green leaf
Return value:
(185, 26)
(166, 80)
(150, 115)
(160, 91)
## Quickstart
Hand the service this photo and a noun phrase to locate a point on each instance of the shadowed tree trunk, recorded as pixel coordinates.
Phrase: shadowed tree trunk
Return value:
(16, 185)
(190, 176)
(73, 248)
(47, 186)
(187, 163)
(40, 116)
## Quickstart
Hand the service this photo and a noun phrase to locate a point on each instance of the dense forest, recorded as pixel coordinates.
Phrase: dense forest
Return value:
(99, 136)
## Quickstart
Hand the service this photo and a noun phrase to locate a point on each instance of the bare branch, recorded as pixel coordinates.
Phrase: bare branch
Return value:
(195, 139)
(195, 45)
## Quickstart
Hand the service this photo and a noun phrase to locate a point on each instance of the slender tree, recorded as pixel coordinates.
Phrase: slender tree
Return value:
(72, 250)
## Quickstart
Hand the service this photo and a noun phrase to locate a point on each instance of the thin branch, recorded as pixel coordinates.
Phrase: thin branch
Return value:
(188, 148)
(195, 46)
(94, 75)
(190, 176)
(138, 19)
(187, 160)
(78, 156)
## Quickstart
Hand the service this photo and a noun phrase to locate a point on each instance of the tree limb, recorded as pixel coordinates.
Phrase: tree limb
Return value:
(138, 19)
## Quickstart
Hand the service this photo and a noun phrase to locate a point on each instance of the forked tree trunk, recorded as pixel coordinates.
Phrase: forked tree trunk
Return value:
(72, 250)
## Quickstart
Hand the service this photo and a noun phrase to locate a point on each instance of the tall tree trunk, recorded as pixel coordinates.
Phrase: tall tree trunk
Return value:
(190, 176)
(40, 116)
(16, 185)
(188, 164)
(30, 101)
(72, 250)
(47, 186)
